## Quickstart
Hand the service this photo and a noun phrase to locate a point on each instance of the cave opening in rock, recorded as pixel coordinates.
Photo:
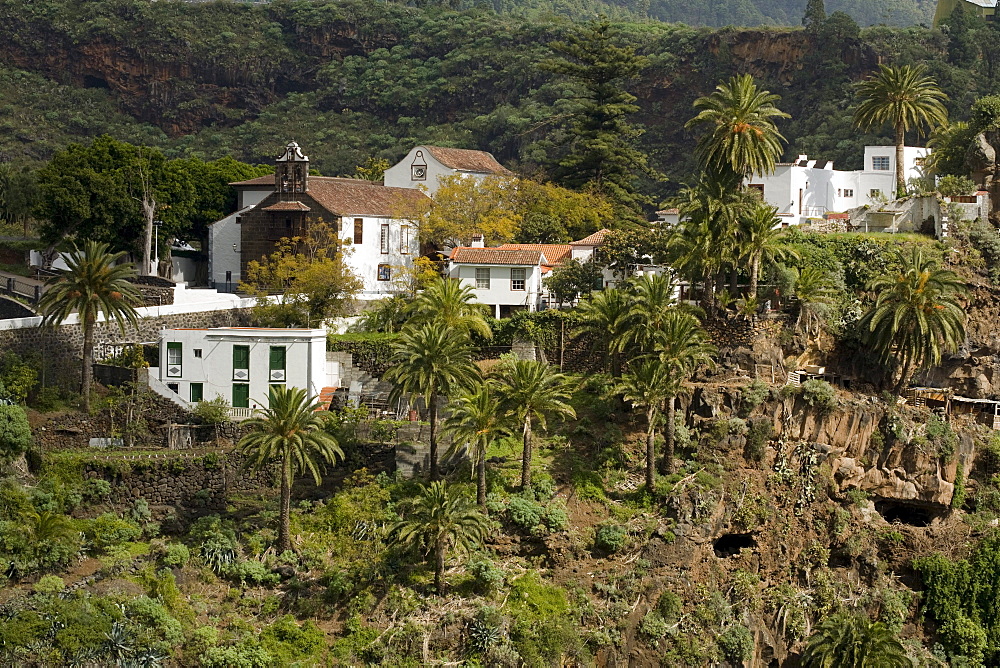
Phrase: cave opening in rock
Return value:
(90, 81)
(913, 514)
(730, 544)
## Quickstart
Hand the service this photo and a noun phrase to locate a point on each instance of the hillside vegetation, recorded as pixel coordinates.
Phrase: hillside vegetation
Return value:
(352, 79)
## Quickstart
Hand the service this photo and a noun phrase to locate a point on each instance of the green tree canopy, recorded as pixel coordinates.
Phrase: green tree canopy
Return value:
(601, 155)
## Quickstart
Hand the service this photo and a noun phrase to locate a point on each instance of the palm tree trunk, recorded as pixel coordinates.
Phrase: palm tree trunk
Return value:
(707, 292)
(904, 376)
(438, 564)
(526, 454)
(284, 513)
(88, 362)
(668, 436)
(754, 273)
(481, 477)
(900, 174)
(432, 414)
(650, 448)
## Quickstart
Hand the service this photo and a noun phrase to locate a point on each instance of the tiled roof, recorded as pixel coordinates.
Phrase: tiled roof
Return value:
(287, 206)
(467, 161)
(266, 180)
(554, 253)
(356, 196)
(667, 212)
(466, 255)
(595, 239)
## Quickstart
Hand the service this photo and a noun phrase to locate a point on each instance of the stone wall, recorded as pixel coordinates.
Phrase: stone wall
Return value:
(61, 347)
(184, 481)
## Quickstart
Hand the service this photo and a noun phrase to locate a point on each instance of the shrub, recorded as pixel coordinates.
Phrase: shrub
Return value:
(555, 517)
(109, 530)
(941, 435)
(753, 395)
(819, 394)
(669, 606)
(736, 644)
(212, 411)
(956, 186)
(654, 626)
(488, 578)
(215, 541)
(96, 489)
(15, 433)
(49, 584)
(250, 572)
(758, 435)
(244, 655)
(728, 426)
(524, 513)
(176, 555)
(610, 538)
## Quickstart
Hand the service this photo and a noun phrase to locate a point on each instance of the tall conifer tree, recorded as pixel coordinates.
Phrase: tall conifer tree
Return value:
(601, 156)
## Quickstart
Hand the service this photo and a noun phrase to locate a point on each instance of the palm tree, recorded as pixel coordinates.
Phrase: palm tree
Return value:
(683, 346)
(92, 286)
(760, 241)
(478, 418)
(290, 432)
(905, 98)
(741, 137)
(438, 519)
(917, 314)
(647, 385)
(533, 392)
(704, 245)
(852, 640)
(451, 303)
(605, 317)
(815, 292)
(431, 361)
(652, 298)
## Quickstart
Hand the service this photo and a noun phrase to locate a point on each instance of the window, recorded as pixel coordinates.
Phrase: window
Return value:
(404, 239)
(482, 278)
(384, 272)
(197, 353)
(384, 238)
(920, 162)
(288, 223)
(271, 388)
(759, 187)
(173, 387)
(197, 392)
(174, 357)
(241, 395)
(277, 366)
(241, 363)
(875, 193)
(517, 279)
(848, 192)
(359, 230)
(838, 192)
(880, 162)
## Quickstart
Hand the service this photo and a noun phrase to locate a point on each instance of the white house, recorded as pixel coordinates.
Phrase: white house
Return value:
(224, 235)
(508, 278)
(807, 188)
(239, 364)
(425, 166)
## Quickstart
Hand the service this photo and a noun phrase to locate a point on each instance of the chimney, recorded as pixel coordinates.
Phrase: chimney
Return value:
(477, 241)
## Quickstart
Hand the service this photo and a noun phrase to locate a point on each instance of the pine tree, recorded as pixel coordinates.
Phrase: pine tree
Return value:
(602, 156)
(815, 14)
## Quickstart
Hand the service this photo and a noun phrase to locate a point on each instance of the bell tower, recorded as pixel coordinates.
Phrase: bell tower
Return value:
(291, 170)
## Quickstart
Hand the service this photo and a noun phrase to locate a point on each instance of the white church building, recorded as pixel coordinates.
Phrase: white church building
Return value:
(811, 189)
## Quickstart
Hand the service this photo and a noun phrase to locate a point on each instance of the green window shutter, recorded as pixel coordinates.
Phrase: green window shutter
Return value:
(175, 354)
(277, 358)
(271, 388)
(197, 392)
(241, 395)
(241, 363)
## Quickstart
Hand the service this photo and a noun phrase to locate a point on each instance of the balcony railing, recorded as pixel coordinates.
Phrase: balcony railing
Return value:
(239, 413)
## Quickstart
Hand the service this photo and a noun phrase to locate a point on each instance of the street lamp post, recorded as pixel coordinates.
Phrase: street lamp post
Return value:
(156, 243)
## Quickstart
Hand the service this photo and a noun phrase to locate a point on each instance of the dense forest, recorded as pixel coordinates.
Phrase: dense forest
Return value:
(352, 80)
